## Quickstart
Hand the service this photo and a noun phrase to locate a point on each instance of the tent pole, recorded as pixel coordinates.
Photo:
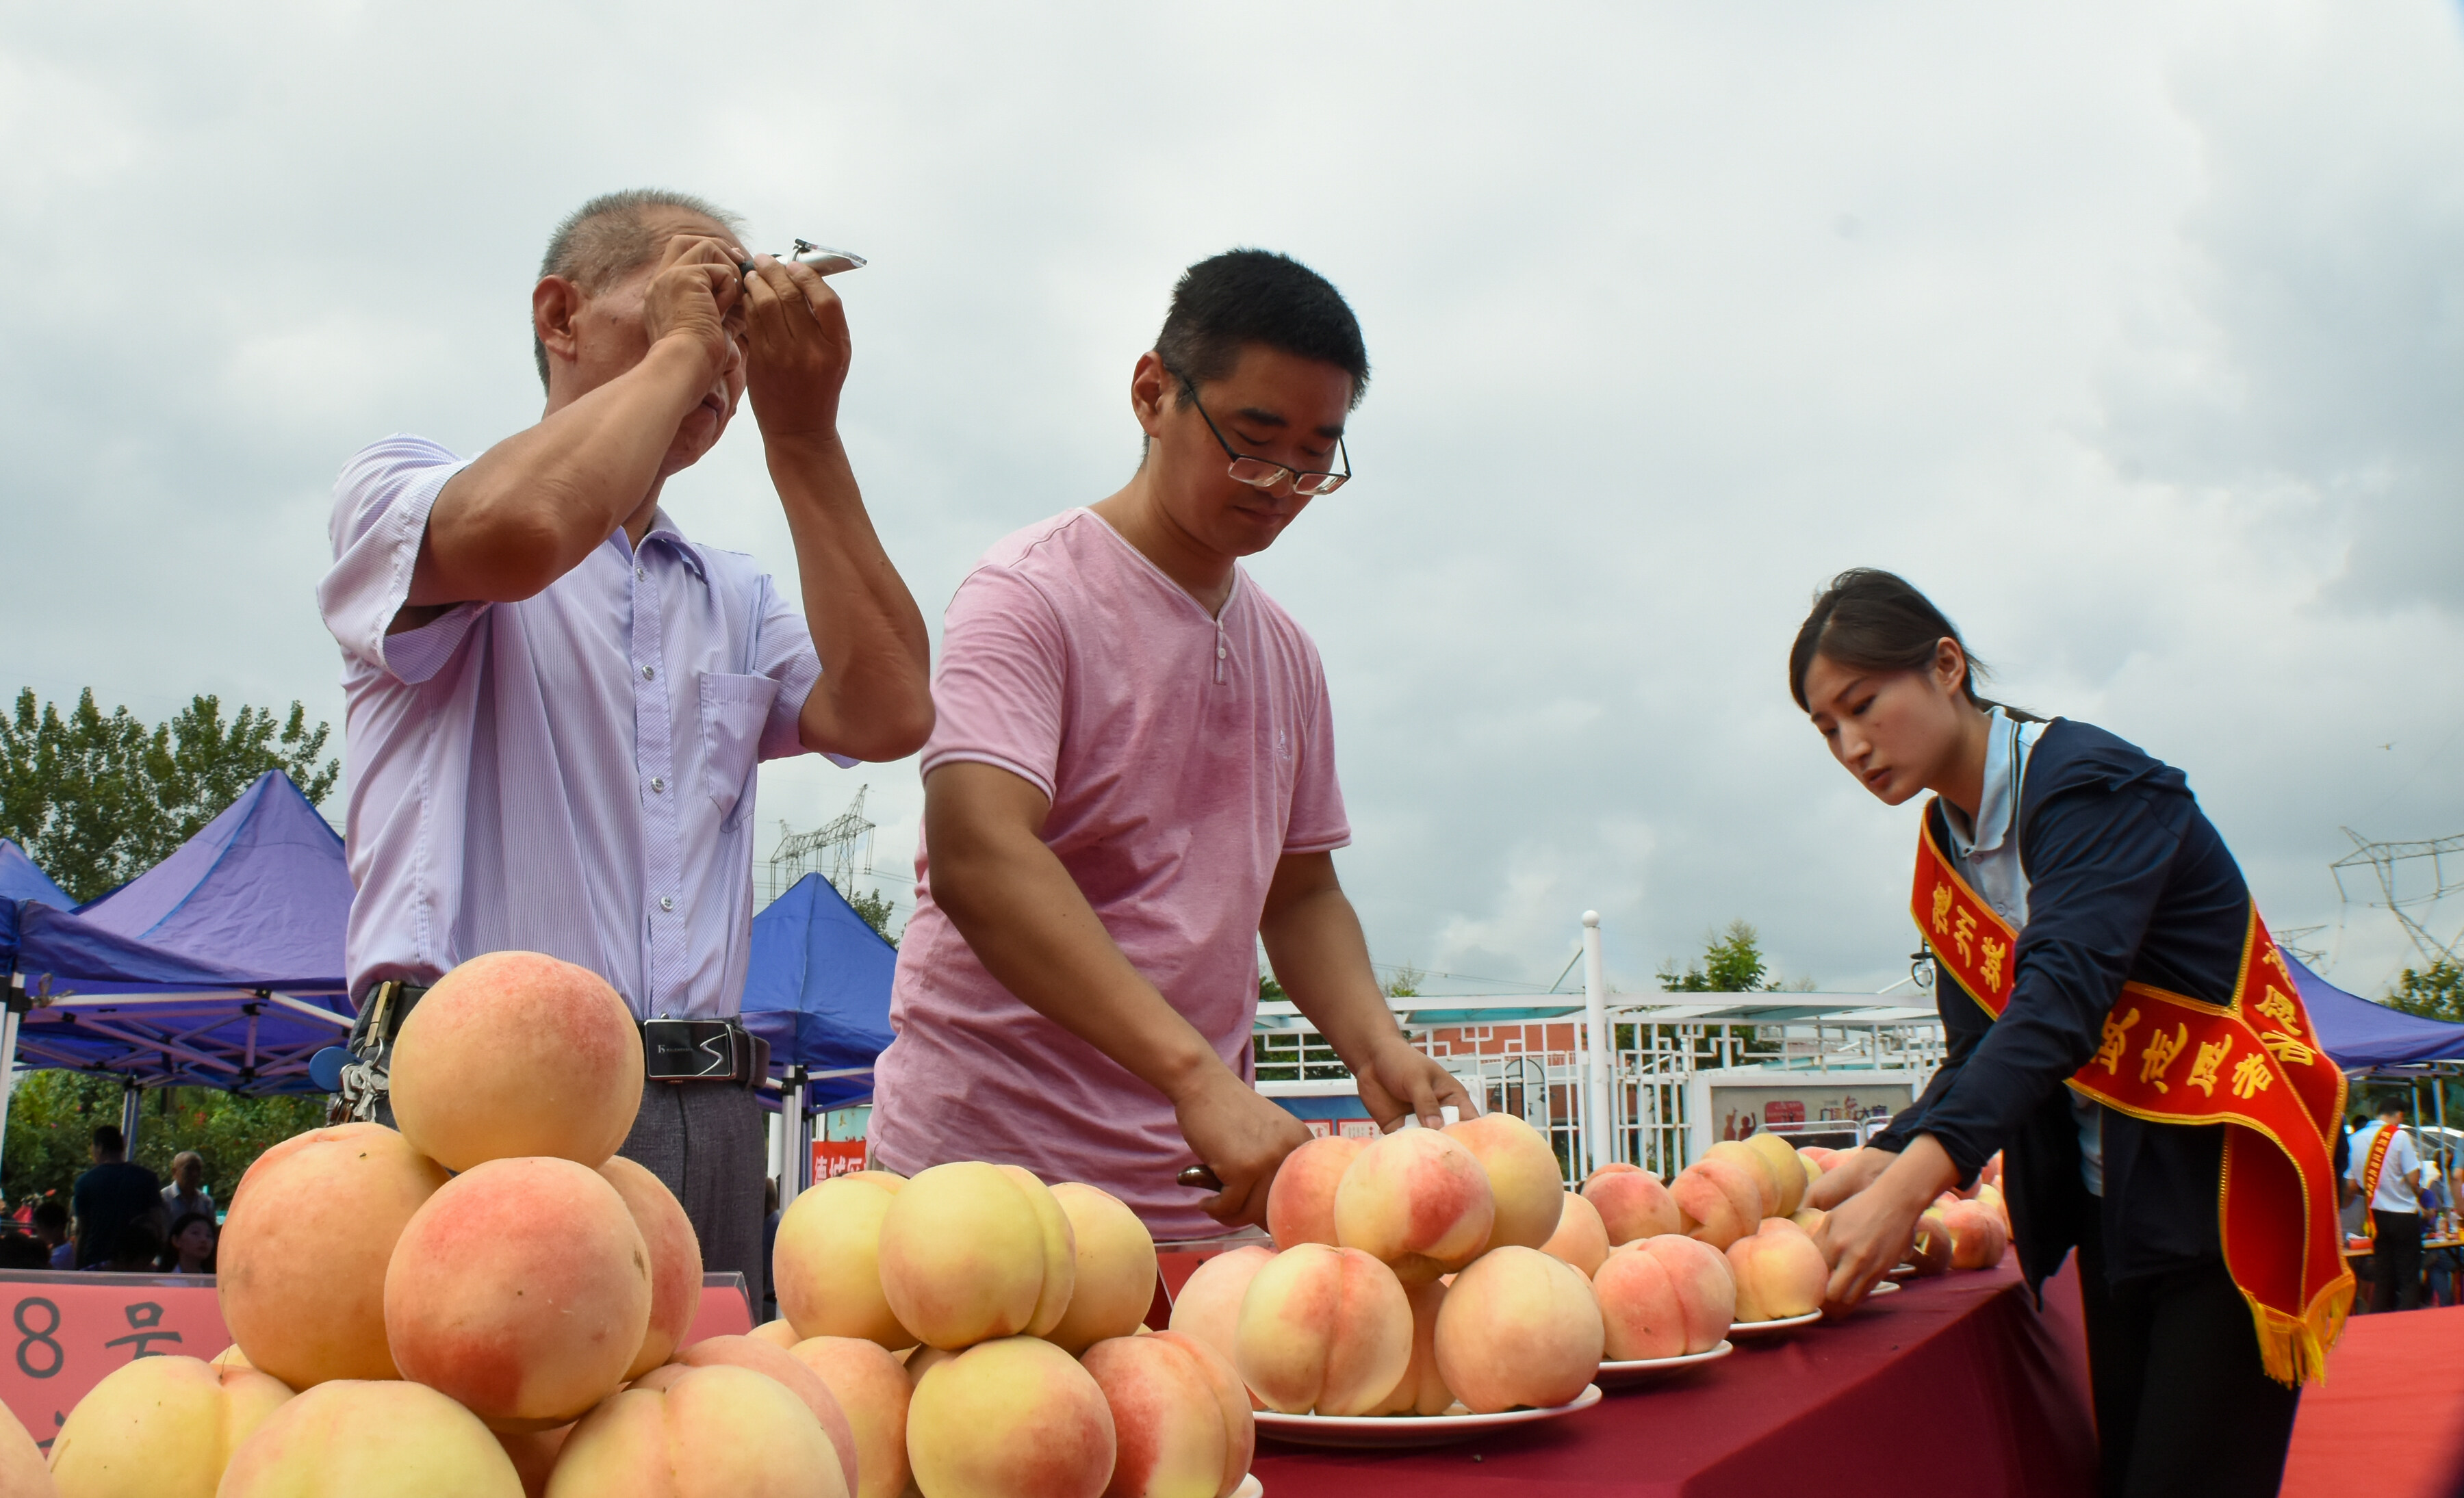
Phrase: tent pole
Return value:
(132, 1107)
(9, 1019)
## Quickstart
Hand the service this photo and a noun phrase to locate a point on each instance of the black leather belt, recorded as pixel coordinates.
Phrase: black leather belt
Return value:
(673, 1051)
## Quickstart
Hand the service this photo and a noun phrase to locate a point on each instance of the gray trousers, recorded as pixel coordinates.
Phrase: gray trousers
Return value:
(709, 1142)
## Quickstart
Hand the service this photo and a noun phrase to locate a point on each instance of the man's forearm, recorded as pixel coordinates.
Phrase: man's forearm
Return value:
(1321, 957)
(1033, 930)
(874, 700)
(533, 505)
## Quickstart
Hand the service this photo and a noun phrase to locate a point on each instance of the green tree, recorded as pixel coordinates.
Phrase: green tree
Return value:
(1269, 991)
(52, 1117)
(1731, 963)
(2436, 992)
(874, 907)
(98, 800)
(1406, 983)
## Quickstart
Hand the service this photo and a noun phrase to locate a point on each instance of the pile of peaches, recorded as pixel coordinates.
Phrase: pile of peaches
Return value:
(485, 1302)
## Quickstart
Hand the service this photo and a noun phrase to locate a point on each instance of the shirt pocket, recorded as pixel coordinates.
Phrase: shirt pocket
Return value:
(734, 712)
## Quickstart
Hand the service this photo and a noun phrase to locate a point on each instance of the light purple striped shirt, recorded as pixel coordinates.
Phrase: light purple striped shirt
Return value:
(572, 774)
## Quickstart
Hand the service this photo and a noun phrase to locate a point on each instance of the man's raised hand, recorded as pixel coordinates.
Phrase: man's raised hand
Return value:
(697, 293)
(797, 349)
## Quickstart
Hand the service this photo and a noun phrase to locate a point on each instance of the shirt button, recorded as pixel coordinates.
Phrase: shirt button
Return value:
(667, 902)
(658, 785)
(650, 672)
(1220, 652)
(641, 572)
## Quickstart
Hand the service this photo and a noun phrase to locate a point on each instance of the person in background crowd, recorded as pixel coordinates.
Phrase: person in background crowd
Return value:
(190, 1249)
(23, 1251)
(111, 1196)
(2093, 938)
(186, 1192)
(556, 703)
(2441, 1268)
(135, 1249)
(1132, 784)
(50, 1227)
(2354, 1214)
(2387, 1168)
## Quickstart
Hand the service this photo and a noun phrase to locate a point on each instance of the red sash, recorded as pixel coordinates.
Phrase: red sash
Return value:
(2250, 1065)
(2370, 1169)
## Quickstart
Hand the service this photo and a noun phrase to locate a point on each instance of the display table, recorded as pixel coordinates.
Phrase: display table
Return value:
(1957, 1382)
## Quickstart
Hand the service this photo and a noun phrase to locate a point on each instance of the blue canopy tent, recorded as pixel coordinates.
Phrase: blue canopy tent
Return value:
(817, 988)
(221, 966)
(2372, 1037)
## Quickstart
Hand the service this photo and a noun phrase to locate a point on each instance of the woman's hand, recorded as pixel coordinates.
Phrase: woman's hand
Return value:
(1850, 1174)
(1866, 1236)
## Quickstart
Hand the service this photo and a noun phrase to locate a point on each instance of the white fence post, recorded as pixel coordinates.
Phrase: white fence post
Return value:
(1595, 1021)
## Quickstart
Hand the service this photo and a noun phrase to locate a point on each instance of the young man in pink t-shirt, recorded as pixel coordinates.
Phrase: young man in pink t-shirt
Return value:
(1130, 781)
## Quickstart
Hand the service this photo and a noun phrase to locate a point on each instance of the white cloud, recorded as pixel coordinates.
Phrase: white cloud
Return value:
(2134, 335)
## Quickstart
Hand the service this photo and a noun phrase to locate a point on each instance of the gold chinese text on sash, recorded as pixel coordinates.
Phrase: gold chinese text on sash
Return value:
(2251, 1065)
(2371, 1170)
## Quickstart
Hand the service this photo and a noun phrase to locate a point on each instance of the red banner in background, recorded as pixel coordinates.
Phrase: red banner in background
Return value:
(836, 1157)
(62, 1333)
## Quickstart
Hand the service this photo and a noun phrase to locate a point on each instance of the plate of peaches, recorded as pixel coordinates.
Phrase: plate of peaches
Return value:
(1409, 1430)
(1637, 1370)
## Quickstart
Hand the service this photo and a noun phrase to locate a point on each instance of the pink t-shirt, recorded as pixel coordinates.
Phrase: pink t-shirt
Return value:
(1185, 756)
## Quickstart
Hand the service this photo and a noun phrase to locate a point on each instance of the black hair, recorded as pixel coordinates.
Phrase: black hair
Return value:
(1877, 621)
(110, 1139)
(170, 1259)
(23, 1251)
(138, 1241)
(48, 1213)
(1245, 297)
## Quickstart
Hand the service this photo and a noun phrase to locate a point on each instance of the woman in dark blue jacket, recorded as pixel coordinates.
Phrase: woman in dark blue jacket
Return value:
(2060, 870)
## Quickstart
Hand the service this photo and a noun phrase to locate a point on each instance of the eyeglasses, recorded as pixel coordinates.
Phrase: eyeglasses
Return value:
(1265, 473)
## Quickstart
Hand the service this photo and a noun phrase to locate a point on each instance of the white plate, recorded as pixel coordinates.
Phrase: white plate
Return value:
(1251, 1488)
(1637, 1369)
(1902, 1271)
(1880, 1288)
(1406, 1430)
(1759, 1328)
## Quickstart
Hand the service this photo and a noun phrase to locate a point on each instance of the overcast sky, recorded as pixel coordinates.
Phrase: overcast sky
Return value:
(2134, 334)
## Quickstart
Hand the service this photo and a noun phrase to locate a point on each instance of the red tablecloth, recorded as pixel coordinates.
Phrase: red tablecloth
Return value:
(1952, 1383)
(2389, 1420)
(1957, 1383)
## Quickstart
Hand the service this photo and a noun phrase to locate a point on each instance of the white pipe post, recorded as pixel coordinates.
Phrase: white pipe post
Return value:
(132, 1107)
(14, 994)
(1595, 1021)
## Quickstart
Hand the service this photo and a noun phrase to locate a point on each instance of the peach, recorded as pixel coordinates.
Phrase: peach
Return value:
(230, 1358)
(780, 1333)
(1992, 1174)
(1787, 1172)
(163, 1425)
(1324, 1329)
(1780, 1273)
(970, 1252)
(1582, 1238)
(1422, 1389)
(1632, 1204)
(517, 1053)
(1418, 1202)
(1208, 1306)
(22, 1472)
(1012, 1417)
(303, 1254)
(871, 1390)
(827, 1260)
(1820, 1157)
(1989, 1197)
(350, 1438)
(720, 1431)
(1180, 1417)
(1114, 1280)
(1300, 1205)
(521, 1289)
(1809, 1219)
(919, 1362)
(1929, 1250)
(1707, 1287)
(534, 1454)
(1717, 1201)
(1526, 1184)
(781, 1367)
(1518, 1327)
(1978, 1237)
(1756, 1164)
(676, 1259)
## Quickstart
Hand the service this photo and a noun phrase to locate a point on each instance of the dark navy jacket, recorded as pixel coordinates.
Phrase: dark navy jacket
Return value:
(2127, 881)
